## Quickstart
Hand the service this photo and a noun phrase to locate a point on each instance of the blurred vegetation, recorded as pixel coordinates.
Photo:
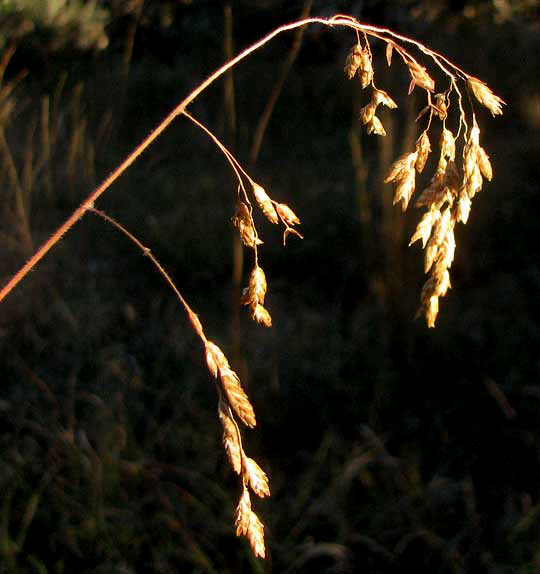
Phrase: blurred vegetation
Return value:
(389, 448)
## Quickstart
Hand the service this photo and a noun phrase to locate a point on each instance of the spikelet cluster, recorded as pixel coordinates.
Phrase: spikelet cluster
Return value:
(447, 197)
(243, 221)
(359, 63)
(233, 402)
(254, 295)
(447, 200)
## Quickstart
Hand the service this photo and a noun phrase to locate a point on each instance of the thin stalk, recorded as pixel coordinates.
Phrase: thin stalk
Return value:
(192, 316)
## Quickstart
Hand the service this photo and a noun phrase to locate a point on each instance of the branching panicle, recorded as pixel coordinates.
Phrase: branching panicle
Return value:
(458, 176)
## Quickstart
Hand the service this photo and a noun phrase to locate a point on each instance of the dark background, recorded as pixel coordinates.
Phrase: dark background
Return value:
(389, 447)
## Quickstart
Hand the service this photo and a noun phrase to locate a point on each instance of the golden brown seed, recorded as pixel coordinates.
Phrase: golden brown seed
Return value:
(261, 315)
(255, 477)
(401, 167)
(366, 69)
(423, 148)
(352, 63)
(257, 286)
(420, 77)
(215, 359)
(432, 310)
(255, 535)
(243, 222)
(484, 164)
(236, 396)
(242, 515)
(375, 127)
(286, 214)
(448, 145)
(423, 229)
(231, 441)
(381, 97)
(367, 113)
(389, 50)
(485, 96)
(404, 190)
(265, 203)
(463, 206)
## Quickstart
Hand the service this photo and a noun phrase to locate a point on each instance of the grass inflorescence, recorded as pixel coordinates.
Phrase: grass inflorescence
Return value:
(449, 126)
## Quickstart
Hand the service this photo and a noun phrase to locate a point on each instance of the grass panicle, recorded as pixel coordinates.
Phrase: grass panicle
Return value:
(446, 199)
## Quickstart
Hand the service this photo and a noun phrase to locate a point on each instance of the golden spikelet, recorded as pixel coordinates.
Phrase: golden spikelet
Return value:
(376, 127)
(404, 190)
(255, 477)
(237, 397)
(215, 359)
(485, 96)
(231, 440)
(381, 97)
(248, 524)
(423, 229)
(463, 206)
(254, 296)
(366, 68)
(448, 145)
(420, 77)
(257, 285)
(287, 215)
(484, 164)
(218, 365)
(243, 221)
(255, 535)
(261, 315)
(402, 172)
(389, 51)
(243, 513)
(265, 203)
(367, 113)
(353, 61)
(401, 167)
(423, 148)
